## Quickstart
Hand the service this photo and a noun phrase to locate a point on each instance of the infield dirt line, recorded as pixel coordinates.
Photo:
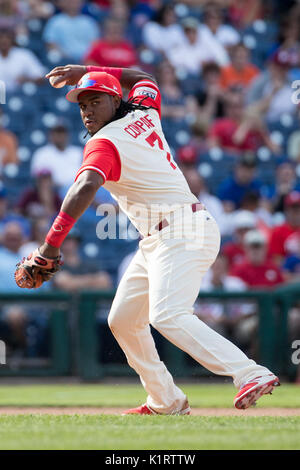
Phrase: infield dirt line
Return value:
(18, 410)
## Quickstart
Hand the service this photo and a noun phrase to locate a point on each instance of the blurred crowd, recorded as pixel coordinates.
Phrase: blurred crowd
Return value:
(227, 71)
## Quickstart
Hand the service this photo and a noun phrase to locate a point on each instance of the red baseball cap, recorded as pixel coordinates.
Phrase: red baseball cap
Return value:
(96, 81)
(187, 154)
(285, 58)
(292, 199)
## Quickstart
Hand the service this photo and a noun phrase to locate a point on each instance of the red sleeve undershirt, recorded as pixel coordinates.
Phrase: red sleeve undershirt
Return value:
(147, 93)
(101, 155)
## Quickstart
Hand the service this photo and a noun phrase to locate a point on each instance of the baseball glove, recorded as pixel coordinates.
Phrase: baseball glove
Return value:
(32, 271)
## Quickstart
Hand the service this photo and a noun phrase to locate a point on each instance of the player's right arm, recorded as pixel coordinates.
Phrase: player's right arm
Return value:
(73, 73)
(78, 198)
(101, 162)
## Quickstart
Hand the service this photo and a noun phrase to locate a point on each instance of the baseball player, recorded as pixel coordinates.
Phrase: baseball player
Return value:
(128, 154)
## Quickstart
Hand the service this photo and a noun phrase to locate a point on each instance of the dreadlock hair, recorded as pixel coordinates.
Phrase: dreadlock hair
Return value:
(128, 107)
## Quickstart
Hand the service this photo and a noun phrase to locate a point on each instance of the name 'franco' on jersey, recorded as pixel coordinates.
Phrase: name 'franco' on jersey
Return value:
(133, 157)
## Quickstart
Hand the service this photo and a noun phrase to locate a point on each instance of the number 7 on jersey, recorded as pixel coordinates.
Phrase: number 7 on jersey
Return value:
(154, 137)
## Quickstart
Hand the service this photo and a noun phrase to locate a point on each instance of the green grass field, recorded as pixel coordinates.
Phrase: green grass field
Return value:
(143, 432)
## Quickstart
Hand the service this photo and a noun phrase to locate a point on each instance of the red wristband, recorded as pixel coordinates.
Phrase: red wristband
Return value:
(60, 229)
(115, 71)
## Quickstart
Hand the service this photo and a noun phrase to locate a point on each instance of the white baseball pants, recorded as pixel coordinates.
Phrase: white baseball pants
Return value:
(160, 287)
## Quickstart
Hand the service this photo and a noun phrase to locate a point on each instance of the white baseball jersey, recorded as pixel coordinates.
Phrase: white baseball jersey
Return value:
(134, 159)
(163, 279)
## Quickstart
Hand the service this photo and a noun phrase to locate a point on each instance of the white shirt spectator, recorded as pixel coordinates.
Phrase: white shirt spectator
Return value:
(72, 35)
(226, 35)
(280, 104)
(63, 164)
(229, 283)
(19, 63)
(190, 57)
(162, 38)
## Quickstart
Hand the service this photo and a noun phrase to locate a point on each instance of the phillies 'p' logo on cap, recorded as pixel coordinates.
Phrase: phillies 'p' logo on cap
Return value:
(96, 81)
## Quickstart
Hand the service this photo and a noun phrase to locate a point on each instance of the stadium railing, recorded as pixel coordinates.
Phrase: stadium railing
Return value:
(59, 361)
(82, 344)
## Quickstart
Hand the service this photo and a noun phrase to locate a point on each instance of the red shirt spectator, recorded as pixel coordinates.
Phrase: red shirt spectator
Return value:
(285, 238)
(241, 129)
(223, 131)
(264, 275)
(113, 50)
(257, 270)
(282, 237)
(235, 251)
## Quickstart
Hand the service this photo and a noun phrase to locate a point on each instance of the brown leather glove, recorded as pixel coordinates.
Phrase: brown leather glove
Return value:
(36, 269)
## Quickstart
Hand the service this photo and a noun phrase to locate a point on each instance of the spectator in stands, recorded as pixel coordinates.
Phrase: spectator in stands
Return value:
(243, 13)
(8, 147)
(215, 27)
(12, 15)
(241, 130)
(17, 64)
(208, 102)
(58, 156)
(288, 37)
(25, 335)
(40, 200)
(270, 93)
(241, 71)
(218, 277)
(187, 157)
(285, 182)
(195, 50)
(12, 240)
(293, 142)
(257, 271)
(234, 250)
(7, 216)
(254, 202)
(39, 229)
(13, 330)
(175, 105)
(70, 32)
(163, 33)
(291, 268)
(233, 189)
(78, 275)
(199, 189)
(39, 9)
(112, 50)
(285, 237)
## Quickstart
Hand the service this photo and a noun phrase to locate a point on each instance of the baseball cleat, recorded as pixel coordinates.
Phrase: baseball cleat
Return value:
(146, 410)
(252, 391)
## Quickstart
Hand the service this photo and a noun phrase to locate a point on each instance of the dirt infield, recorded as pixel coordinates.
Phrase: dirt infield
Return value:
(117, 411)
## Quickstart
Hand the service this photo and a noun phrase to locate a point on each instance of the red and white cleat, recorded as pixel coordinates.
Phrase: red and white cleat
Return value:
(252, 391)
(140, 410)
(146, 410)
